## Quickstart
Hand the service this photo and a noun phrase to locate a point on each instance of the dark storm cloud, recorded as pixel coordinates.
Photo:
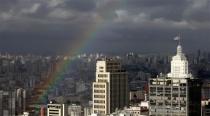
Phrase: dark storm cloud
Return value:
(138, 25)
(81, 5)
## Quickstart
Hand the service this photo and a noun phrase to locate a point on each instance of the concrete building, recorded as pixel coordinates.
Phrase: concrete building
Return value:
(7, 103)
(205, 107)
(54, 109)
(20, 101)
(88, 111)
(74, 110)
(12, 102)
(137, 95)
(175, 94)
(137, 110)
(206, 89)
(110, 89)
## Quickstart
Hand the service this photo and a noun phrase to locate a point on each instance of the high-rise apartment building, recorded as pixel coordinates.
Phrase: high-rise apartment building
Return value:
(110, 89)
(20, 101)
(7, 103)
(12, 102)
(175, 94)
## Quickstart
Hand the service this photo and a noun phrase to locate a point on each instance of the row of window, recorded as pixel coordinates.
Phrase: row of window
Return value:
(99, 91)
(102, 80)
(99, 106)
(99, 86)
(102, 75)
(99, 96)
(99, 101)
(101, 112)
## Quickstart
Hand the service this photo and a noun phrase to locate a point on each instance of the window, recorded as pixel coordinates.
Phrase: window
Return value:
(99, 91)
(102, 75)
(99, 86)
(99, 96)
(99, 101)
(99, 106)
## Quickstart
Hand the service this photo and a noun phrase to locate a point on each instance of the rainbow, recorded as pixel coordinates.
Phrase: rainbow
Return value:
(86, 37)
(56, 76)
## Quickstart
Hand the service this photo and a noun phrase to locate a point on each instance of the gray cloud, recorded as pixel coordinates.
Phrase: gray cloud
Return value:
(126, 23)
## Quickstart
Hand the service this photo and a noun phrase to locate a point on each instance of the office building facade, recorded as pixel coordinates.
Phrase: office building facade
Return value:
(110, 89)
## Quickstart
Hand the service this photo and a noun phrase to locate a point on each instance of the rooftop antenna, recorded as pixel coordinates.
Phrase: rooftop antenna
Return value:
(179, 47)
(178, 38)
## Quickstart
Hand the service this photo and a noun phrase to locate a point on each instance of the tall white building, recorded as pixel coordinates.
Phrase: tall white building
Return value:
(110, 89)
(179, 65)
(177, 93)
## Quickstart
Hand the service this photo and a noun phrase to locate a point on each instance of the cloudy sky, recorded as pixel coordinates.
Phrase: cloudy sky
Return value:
(144, 26)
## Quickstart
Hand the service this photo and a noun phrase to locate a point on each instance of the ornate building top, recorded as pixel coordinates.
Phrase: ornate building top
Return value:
(179, 64)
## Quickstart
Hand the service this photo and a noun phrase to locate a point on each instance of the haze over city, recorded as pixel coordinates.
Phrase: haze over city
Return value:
(143, 26)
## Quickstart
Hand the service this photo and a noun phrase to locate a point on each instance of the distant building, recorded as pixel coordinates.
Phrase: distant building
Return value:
(12, 102)
(175, 94)
(43, 111)
(137, 110)
(136, 95)
(88, 111)
(74, 110)
(110, 89)
(7, 103)
(24, 114)
(206, 90)
(20, 101)
(206, 108)
(54, 109)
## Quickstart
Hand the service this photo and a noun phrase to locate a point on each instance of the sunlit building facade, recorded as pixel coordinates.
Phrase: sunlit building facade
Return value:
(54, 109)
(110, 89)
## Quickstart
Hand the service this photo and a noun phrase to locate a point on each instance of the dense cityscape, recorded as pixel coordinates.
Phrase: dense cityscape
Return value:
(104, 58)
(25, 81)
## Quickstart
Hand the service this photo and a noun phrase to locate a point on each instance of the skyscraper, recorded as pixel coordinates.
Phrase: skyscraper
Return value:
(110, 89)
(20, 100)
(177, 93)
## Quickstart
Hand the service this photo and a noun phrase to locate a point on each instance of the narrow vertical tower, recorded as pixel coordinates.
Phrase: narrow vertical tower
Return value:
(110, 89)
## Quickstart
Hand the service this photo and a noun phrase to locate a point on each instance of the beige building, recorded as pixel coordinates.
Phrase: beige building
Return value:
(74, 110)
(110, 89)
(54, 109)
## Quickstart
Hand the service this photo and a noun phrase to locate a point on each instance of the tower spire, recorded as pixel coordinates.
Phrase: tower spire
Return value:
(178, 38)
(179, 47)
(179, 63)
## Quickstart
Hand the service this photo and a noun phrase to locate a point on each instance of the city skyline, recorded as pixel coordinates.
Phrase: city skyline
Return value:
(104, 57)
(55, 26)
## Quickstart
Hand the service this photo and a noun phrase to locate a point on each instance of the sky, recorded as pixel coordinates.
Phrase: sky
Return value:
(142, 26)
